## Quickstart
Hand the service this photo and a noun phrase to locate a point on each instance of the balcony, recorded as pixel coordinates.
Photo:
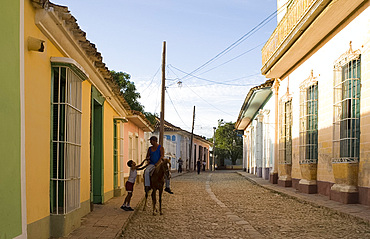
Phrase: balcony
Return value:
(302, 30)
(296, 11)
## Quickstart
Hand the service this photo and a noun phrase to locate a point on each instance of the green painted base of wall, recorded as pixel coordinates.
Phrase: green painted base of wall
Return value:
(62, 225)
(108, 195)
(39, 229)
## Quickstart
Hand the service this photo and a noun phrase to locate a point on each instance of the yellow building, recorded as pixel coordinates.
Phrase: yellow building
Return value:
(320, 59)
(76, 123)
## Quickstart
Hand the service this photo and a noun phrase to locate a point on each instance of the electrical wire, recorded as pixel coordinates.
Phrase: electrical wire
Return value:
(240, 40)
(236, 43)
(151, 80)
(208, 102)
(174, 107)
(200, 78)
(233, 58)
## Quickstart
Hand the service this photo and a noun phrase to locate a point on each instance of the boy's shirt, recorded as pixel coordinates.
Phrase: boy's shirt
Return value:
(133, 173)
(132, 176)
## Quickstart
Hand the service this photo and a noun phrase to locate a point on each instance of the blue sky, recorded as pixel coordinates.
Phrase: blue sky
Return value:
(130, 34)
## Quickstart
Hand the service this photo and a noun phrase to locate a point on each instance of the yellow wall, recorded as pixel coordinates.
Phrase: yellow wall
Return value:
(37, 118)
(85, 142)
(109, 114)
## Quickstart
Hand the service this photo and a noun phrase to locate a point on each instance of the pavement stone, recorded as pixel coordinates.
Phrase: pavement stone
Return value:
(109, 221)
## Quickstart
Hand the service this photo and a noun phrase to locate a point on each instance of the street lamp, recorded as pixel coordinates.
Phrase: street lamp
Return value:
(214, 149)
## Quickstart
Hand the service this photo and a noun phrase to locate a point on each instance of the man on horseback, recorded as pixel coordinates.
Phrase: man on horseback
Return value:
(155, 156)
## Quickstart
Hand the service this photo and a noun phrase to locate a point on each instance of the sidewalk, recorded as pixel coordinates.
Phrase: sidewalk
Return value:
(347, 210)
(108, 220)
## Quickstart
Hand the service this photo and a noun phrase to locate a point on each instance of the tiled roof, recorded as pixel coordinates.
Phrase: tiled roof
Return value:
(70, 23)
(135, 112)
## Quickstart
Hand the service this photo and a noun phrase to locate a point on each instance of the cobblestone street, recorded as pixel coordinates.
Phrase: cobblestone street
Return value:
(226, 205)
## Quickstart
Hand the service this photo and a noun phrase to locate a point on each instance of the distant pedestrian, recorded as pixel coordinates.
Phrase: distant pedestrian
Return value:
(198, 166)
(130, 183)
(204, 165)
(180, 162)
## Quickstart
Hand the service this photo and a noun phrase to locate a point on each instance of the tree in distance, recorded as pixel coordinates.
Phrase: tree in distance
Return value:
(229, 144)
(131, 95)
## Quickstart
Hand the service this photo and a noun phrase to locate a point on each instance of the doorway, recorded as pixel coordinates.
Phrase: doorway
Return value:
(96, 142)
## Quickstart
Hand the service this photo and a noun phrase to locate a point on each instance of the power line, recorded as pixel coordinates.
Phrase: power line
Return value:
(241, 39)
(236, 43)
(233, 58)
(200, 78)
(183, 107)
(175, 107)
(152, 79)
(208, 102)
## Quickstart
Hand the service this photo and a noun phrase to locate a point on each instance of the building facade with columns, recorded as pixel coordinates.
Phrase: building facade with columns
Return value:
(319, 56)
(257, 120)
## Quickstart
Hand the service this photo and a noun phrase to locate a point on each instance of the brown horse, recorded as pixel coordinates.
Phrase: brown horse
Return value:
(156, 183)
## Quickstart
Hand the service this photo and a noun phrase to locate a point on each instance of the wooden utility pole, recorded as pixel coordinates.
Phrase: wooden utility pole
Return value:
(191, 139)
(161, 122)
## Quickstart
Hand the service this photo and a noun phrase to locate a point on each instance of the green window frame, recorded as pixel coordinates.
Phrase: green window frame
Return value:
(66, 104)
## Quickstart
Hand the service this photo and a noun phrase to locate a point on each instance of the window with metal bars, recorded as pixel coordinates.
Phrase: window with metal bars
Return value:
(66, 140)
(308, 122)
(347, 89)
(285, 142)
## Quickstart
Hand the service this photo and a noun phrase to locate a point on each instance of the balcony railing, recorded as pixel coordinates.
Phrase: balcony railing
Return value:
(296, 11)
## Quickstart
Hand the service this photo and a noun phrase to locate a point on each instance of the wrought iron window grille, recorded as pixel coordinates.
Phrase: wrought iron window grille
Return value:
(346, 107)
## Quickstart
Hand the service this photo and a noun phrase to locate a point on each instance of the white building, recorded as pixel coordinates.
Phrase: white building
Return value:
(257, 120)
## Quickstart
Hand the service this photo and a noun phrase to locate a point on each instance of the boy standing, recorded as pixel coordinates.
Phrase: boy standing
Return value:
(130, 183)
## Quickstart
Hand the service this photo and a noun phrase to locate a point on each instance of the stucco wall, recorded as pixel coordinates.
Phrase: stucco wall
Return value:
(85, 142)
(109, 113)
(10, 120)
(322, 62)
(37, 113)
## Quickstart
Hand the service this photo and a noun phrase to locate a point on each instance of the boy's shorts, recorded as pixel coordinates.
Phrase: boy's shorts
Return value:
(129, 187)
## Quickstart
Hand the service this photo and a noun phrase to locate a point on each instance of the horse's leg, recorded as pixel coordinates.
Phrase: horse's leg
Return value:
(160, 191)
(154, 200)
(146, 196)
